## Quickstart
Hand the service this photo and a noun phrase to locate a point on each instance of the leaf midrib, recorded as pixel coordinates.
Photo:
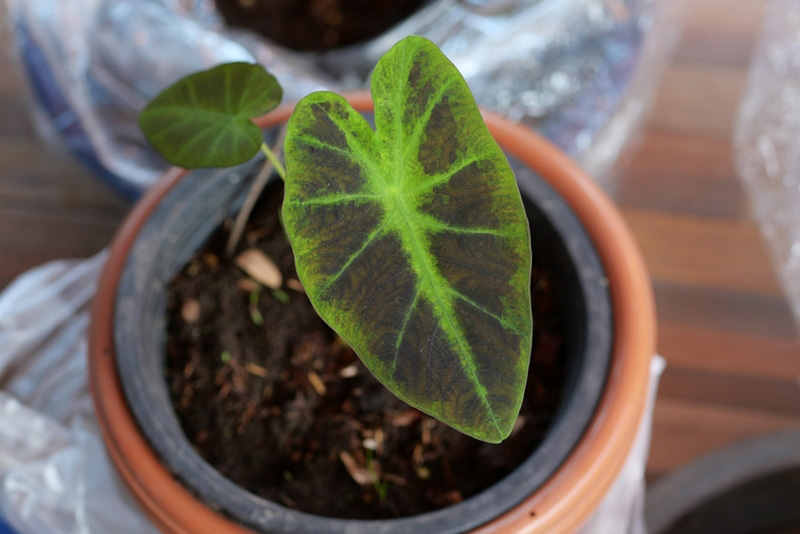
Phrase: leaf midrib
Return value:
(419, 254)
(390, 192)
(441, 304)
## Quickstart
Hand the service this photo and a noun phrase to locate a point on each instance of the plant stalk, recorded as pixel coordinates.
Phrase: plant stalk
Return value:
(273, 162)
(276, 162)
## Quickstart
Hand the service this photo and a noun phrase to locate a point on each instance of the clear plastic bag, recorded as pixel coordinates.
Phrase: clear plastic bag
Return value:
(767, 141)
(55, 476)
(581, 71)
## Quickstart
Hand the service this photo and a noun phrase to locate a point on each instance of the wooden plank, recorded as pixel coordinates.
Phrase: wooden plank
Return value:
(37, 179)
(29, 239)
(681, 249)
(31, 229)
(16, 119)
(726, 49)
(729, 311)
(684, 174)
(779, 396)
(686, 195)
(728, 352)
(720, 32)
(13, 93)
(713, 17)
(698, 100)
(684, 430)
(663, 154)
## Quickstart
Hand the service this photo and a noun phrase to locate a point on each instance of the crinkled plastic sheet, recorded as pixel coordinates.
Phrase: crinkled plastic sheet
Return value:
(767, 140)
(565, 67)
(55, 476)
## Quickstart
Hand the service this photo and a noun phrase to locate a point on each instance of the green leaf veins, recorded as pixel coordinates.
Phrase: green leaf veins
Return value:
(204, 119)
(412, 242)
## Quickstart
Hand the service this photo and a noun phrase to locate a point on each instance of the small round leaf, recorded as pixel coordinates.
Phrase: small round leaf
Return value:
(204, 119)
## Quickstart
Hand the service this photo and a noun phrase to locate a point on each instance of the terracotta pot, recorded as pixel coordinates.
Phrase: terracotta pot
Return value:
(581, 459)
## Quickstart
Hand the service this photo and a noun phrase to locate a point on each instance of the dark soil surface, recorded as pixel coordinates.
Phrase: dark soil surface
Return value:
(316, 24)
(271, 397)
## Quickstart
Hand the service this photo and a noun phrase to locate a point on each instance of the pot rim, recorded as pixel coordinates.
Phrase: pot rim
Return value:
(565, 501)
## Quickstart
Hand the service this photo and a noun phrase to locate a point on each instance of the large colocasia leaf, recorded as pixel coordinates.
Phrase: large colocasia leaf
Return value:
(205, 119)
(412, 242)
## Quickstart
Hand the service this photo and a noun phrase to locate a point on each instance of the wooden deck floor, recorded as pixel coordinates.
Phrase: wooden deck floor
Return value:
(725, 328)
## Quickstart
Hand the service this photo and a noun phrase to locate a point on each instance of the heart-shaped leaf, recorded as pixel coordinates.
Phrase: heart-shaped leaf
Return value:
(412, 241)
(204, 119)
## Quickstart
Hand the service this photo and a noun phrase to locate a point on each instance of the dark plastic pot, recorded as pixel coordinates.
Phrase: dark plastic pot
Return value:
(556, 487)
(750, 487)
